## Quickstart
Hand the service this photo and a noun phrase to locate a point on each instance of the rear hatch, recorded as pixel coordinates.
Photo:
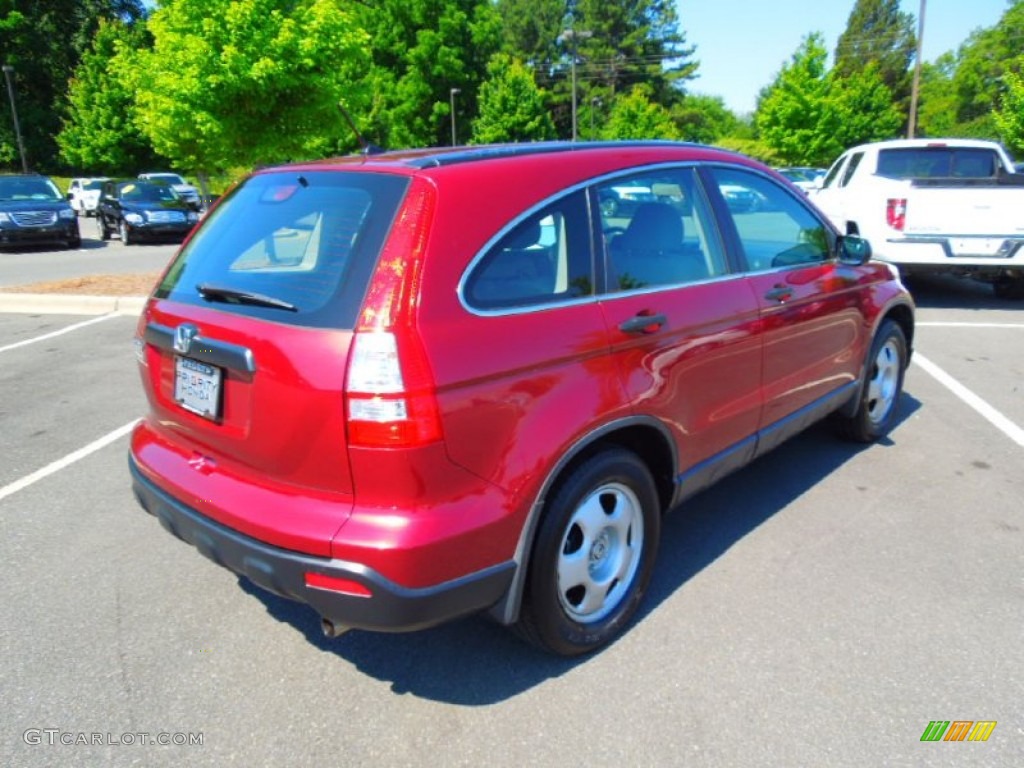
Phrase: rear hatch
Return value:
(245, 345)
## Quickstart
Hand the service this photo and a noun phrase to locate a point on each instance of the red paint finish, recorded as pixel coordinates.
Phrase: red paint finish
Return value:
(413, 440)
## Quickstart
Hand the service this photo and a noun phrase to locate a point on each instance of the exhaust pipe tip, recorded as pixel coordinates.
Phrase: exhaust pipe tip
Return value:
(332, 630)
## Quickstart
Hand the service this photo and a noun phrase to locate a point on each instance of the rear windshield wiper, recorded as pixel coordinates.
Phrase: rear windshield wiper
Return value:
(235, 296)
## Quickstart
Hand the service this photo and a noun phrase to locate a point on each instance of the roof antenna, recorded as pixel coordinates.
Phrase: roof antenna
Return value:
(367, 147)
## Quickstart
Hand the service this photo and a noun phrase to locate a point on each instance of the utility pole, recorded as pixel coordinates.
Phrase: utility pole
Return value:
(14, 114)
(916, 87)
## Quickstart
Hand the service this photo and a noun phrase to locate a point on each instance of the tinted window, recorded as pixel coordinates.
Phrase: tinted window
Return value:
(656, 231)
(141, 192)
(309, 239)
(28, 188)
(833, 172)
(854, 162)
(779, 231)
(937, 162)
(543, 259)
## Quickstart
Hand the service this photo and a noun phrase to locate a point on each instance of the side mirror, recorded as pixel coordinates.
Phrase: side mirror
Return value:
(854, 250)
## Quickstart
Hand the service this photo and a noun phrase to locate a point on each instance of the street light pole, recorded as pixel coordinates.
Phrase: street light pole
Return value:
(14, 114)
(451, 95)
(571, 35)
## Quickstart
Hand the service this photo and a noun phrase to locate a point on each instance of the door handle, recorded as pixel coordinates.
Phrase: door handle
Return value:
(779, 293)
(643, 322)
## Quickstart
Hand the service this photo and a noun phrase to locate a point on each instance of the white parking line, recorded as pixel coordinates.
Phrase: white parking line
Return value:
(968, 325)
(67, 461)
(998, 420)
(61, 332)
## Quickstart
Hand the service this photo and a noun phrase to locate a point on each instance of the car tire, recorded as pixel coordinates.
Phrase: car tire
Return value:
(126, 235)
(101, 225)
(881, 388)
(74, 243)
(593, 555)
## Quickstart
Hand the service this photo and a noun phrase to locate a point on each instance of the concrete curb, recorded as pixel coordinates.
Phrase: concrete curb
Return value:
(70, 304)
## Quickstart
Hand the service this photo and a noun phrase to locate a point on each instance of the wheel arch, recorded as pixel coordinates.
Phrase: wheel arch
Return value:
(647, 437)
(903, 315)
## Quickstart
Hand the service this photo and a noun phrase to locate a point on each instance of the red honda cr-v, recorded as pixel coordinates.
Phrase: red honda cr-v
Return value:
(407, 387)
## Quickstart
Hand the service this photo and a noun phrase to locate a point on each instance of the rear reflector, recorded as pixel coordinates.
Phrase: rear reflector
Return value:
(335, 584)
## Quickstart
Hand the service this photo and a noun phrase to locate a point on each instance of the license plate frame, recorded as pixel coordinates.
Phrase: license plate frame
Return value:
(984, 247)
(198, 387)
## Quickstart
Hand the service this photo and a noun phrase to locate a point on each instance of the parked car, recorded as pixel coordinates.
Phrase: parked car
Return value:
(804, 179)
(186, 191)
(34, 212)
(143, 210)
(741, 198)
(373, 393)
(934, 206)
(622, 199)
(84, 194)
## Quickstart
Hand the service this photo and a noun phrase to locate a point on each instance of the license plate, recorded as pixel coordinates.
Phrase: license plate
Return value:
(197, 387)
(975, 246)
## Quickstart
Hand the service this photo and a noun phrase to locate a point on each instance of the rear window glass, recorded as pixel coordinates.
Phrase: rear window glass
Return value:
(937, 163)
(306, 241)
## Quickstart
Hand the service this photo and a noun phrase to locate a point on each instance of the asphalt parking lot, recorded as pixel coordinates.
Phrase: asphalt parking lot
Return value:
(821, 607)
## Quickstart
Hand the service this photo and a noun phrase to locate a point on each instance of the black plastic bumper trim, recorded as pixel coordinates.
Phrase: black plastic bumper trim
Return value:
(391, 607)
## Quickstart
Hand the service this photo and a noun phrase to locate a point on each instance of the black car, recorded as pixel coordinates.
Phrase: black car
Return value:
(34, 212)
(143, 210)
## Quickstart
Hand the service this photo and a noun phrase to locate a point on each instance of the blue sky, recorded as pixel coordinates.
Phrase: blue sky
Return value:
(742, 44)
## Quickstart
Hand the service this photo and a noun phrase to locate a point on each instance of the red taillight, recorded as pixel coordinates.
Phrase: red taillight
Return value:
(389, 388)
(896, 212)
(390, 392)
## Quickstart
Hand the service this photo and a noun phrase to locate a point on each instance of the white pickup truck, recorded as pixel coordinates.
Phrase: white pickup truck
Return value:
(933, 205)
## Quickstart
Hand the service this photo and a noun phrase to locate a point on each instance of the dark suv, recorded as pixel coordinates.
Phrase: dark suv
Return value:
(408, 387)
(34, 212)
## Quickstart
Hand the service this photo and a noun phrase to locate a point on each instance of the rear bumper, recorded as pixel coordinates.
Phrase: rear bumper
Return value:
(953, 253)
(389, 607)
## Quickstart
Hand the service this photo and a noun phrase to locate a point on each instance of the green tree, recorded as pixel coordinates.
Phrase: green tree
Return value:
(636, 116)
(43, 43)
(1009, 118)
(704, 119)
(878, 32)
(530, 30)
(421, 50)
(242, 82)
(99, 132)
(793, 115)
(511, 106)
(810, 115)
(863, 109)
(983, 61)
(937, 101)
(616, 46)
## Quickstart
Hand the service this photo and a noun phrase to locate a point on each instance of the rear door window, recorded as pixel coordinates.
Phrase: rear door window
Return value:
(657, 231)
(307, 241)
(543, 259)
